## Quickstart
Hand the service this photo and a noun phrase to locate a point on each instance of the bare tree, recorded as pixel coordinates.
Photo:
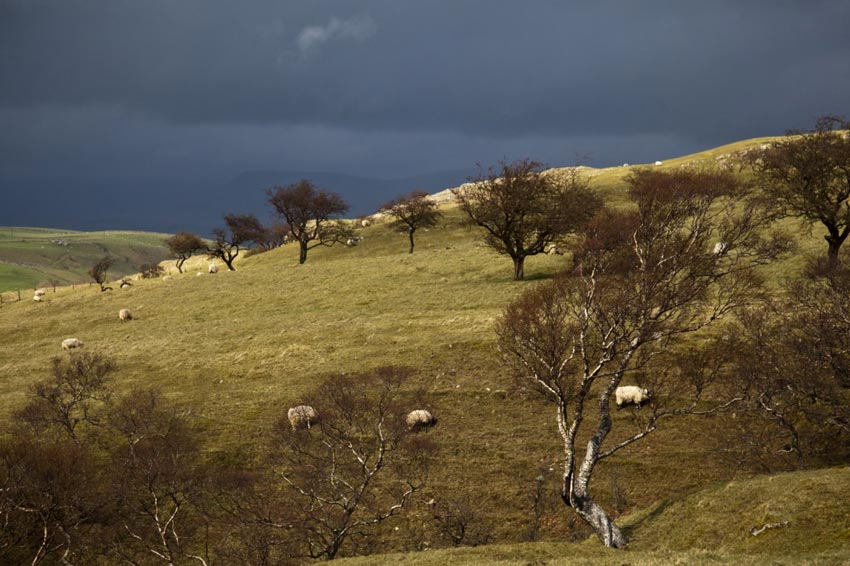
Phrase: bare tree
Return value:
(184, 245)
(242, 229)
(51, 501)
(523, 210)
(643, 280)
(309, 212)
(161, 476)
(98, 272)
(411, 211)
(74, 394)
(808, 176)
(359, 466)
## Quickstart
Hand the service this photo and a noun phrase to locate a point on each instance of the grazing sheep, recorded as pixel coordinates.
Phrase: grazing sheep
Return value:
(302, 416)
(40, 292)
(38, 298)
(125, 315)
(365, 222)
(213, 268)
(632, 395)
(126, 284)
(419, 419)
(659, 163)
(71, 343)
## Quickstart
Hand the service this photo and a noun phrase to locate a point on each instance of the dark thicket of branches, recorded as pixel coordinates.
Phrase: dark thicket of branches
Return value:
(359, 467)
(523, 211)
(184, 245)
(411, 212)
(643, 279)
(98, 272)
(241, 230)
(310, 212)
(808, 176)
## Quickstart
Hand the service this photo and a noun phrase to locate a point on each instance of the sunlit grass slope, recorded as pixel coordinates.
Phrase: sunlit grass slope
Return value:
(237, 349)
(710, 526)
(31, 257)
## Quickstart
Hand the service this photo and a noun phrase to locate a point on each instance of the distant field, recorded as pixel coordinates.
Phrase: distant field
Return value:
(32, 257)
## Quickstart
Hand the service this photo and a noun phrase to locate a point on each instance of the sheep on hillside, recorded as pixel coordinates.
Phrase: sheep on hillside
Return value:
(125, 315)
(420, 419)
(40, 292)
(213, 268)
(632, 395)
(302, 416)
(38, 298)
(719, 248)
(365, 222)
(659, 163)
(71, 343)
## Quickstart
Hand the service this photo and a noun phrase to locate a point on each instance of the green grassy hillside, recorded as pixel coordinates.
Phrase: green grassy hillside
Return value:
(710, 526)
(33, 257)
(238, 348)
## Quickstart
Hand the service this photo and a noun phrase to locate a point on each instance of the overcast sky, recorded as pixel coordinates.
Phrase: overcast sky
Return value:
(382, 88)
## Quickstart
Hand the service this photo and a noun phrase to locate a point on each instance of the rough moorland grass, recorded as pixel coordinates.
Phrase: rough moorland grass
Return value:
(237, 349)
(29, 257)
(710, 526)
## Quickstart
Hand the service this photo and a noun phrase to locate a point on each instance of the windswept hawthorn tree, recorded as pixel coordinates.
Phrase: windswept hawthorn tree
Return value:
(643, 279)
(807, 176)
(523, 211)
(412, 211)
(310, 212)
(183, 245)
(242, 229)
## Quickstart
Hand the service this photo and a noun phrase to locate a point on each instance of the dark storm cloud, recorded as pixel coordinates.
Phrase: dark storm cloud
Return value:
(208, 89)
(483, 67)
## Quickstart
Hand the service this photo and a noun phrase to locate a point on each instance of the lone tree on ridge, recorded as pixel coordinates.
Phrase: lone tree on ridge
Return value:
(309, 212)
(242, 229)
(183, 245)
(98, 272)
(524, 211)
(412, 211)
(808, 176)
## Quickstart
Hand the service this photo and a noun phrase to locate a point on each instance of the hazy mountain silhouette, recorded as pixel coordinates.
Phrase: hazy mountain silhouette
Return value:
(173, 204)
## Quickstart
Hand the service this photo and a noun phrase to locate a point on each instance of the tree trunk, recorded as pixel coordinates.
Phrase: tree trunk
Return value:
(832, 252)
(518, 268)
(302, 256)
(600, 521)
(410, 233)
(180, 265)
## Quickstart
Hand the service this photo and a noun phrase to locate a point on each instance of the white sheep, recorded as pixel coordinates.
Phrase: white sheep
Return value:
(719, 248)
(365, 222)
(632, 395)
(554, 250)
(125, 315)
(38, 298)
(302, 416)
(659, 163)
(213, 268)
(40, 292)
(419, 419)
(71, 343)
